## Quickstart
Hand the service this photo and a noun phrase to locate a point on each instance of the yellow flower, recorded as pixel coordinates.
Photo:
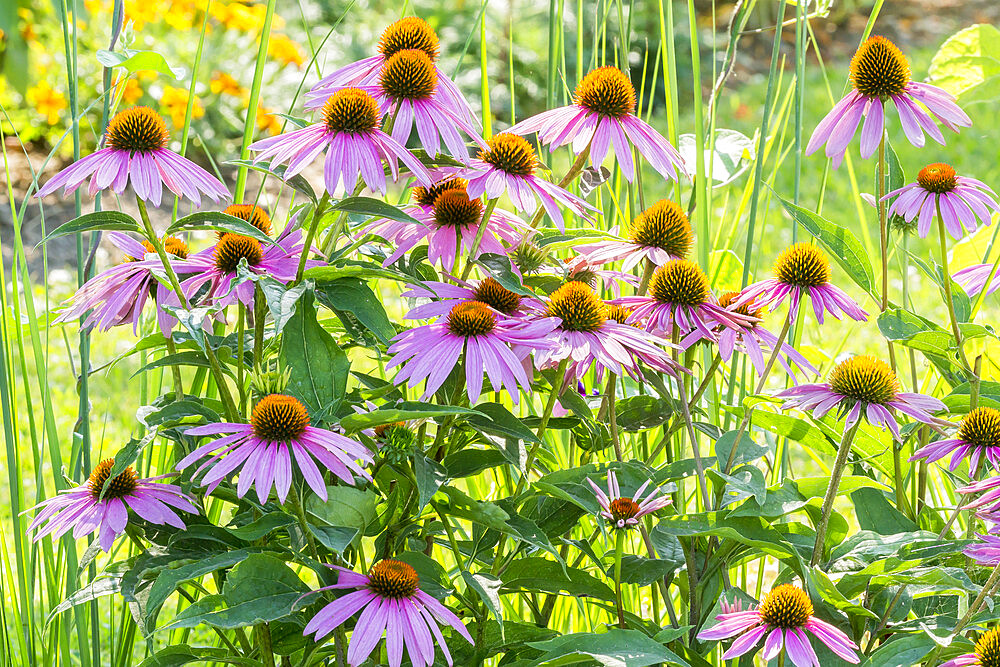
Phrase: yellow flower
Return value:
(284, 50)
(141, 12)
(267, 121)
(47, 102)
(174, 104)
(181, 14)
(129, 90)
(93, 6)
(243, 17)
(224, 84)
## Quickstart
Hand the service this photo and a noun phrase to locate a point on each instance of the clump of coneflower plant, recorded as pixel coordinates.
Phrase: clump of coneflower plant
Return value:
(436, 387)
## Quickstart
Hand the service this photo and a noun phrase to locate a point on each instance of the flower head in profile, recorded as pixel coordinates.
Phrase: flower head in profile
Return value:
(785, 617)
(476, 333)
(986, 551)
(985, 654)
(446, 296)
(754, 341)
(978, 277)
(988, 503)
(92, 507)
(602, 117)
(450, 228)
(264, 451)
(963, 202)
(679, 298)
(136, 154)
(660, 233)
(407, 88)
(349, 132)
(407, 34)
(507, 163)
(879, 73)
(391, 603)
(864, 386)
(593, 334)
(802, 269)
(117, 296)
(625, 511)
(216, 267)
(978, 439)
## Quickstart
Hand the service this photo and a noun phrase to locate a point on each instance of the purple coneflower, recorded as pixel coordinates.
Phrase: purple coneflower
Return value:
(990, 490)
(408, 33)
(217, 266)
(986, 552)
(84, 510)
(679, 297)
(753, 340)
(392, 604)
(262, 450)
(625, 511)
(864, 383)
(137, 153)
(445, 296)
(593, 334)
(430, 352)
(507, 164)
(660, 233)
(985, 654)
(407, 89)
(963, 201)
(602, 115)
(973, 279)
(354, 145)
(117, 296)
(978, 438)
(785, 615)
(453, 216)
(802, 269)
(880, 72)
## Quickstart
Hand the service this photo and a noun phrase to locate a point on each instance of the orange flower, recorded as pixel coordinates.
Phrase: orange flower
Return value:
(285, 50)
(174, 104)
(141, 12)
(224, 84)
(268, 122)
(47, 101)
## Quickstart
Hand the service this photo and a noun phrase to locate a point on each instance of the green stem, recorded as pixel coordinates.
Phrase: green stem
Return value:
(619, 549)
(310, 233)
(610, 392)
(251, 122)
(831, 491)
(559, 381)
(473, 252)
(263, 635)
(176, 371)
(220, 378)
(259, 313)
(573, 172)
(883, 224)
(647, 274)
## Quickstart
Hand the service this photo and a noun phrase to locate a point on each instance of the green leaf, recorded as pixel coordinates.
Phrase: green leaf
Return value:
(168, 579)
(499, 421)
(373, 208)
(839, 242)
(345, 506)
(876, 513)
(318, 367)
(220, 222)
(402, 412)
(968, 62)
(101, 587)
(281, 300)
(334, 538)
(730, 155)
(822, 586)
(430, 476)
(265, 525)
(906, 651)
(614, 648)
(643, 571)
(913, 331)
(354, 297)
(99, 220)
(488, 588)
(468, 462)
(638, 413)
(746, 451)
(499, 266)
(260, 589)
(184, 654)
(541, 574)
(138, 61)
